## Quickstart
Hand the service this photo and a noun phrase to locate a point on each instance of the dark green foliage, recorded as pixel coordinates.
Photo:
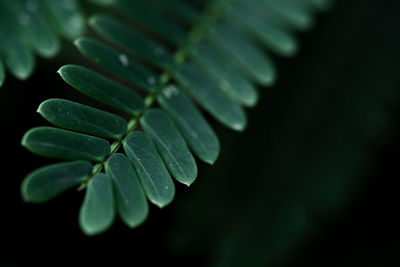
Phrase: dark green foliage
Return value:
(225, 76)
(130, 199)
(102, 89)
(33, 26)
(245, 55)
(132, 40)
(198, 134)
(204, 53)
(74, 116)
(62, 144)
(153, 174)
(121, 64)
(170, 145)
(47, 182)
(153, 21)
(212, 98)
(97, 212)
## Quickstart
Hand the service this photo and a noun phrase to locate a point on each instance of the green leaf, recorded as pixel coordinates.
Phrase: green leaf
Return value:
(212, 98)
(15, 52)
(132, 40)
(179, 10)
(97, 211)
(254, 62)
(58, 143)
(153, 21)
(118, 63)
(74, 116)
(292, 12)
(2, 73)
(43, 39)
(66, 16)
(130, 199)
(102, 89)
(275, 37)
(153, 175)
(198, 134)
(41, 36)
(227, 77)
(18, 59)
(171, 145)
(50, 181)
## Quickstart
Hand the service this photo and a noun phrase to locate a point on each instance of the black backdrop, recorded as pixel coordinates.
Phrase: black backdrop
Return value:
(313, 181)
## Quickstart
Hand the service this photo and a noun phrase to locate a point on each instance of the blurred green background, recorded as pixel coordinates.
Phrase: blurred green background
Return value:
(313, 181)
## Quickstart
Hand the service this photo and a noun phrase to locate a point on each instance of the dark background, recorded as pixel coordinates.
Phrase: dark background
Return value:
(313, 181)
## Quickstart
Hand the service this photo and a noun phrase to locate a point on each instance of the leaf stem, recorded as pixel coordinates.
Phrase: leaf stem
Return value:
(211, 14)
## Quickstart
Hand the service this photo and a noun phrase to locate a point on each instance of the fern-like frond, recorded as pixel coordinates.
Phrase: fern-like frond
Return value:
(174, 52)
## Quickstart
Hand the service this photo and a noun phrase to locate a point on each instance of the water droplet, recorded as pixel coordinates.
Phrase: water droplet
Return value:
(170, 91)
(151, 80)
(124, 60)
(32, 6)
(24, 19)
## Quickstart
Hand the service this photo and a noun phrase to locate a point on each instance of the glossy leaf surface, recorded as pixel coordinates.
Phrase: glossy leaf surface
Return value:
(102, 89)
(97, 212)
(153, 175)
(225, 76)
(75, 116)
(49, 181)
(132, 40)
(129, 196)
(118, 63)
(171, 145)
(198, 134)
(63, 144)
(212, 98)
(255, 63)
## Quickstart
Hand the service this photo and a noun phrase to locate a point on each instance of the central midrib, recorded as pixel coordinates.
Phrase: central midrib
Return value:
(211, 14)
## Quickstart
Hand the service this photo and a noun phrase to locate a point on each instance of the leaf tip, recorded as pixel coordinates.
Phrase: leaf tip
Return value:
(92, 21)
(77, 41)
(40, 108)
(24, 191)
(188, 181)
(162, 204)
(136, 223)
(188, 184)
(211, 159)
(24, 142)
(61, 71)
(89, 230)
(240, 124)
